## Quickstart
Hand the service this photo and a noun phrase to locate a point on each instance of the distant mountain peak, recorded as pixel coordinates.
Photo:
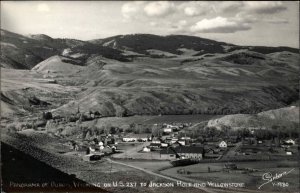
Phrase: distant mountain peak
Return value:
(40, 37)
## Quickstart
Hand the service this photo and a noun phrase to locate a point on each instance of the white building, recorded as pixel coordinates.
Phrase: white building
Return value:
(156, 141)
(129, 139)
(164, 145)
(290, 141)
(146, 149)
(172, 127)
(185, 138)
(167, 130)
(223, 144)
(173, 140)
(181, 142)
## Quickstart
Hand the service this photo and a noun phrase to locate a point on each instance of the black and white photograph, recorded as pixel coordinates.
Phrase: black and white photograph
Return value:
(150, 96)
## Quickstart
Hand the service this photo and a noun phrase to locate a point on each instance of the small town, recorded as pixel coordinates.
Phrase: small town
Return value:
(149, 96)
(179, 142)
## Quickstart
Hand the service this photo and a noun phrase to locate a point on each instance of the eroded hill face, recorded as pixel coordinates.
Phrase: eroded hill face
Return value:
(287, 117)
(147, 74)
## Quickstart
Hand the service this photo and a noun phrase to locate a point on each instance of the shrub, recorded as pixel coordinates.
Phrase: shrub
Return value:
(11, 128)
(47, 115)
(97, 113)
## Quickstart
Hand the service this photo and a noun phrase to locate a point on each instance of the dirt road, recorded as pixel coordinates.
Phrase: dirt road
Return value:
(132, 152)
(158, 175)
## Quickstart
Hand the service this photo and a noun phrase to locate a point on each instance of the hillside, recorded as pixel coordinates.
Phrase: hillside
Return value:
(145, 74)
(58, 64)
(141, 43)
(177, 44)
(24, 52)
(288, 116)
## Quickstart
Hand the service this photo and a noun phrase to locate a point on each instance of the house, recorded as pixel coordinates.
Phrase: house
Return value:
(154, 145)
(174, 140)
(164, 145)
(167, 130)
(185, 138)
(92, 157)
(143, 139)
(129, 139)
(146, 149)
(172, 127)
(212, 153)
(190, 152)
(181, 142)
(222, 144)
(185, 152)
(289, 142)
(168, 140)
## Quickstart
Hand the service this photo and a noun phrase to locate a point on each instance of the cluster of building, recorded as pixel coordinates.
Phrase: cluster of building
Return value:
(172, 147)
(95, 148)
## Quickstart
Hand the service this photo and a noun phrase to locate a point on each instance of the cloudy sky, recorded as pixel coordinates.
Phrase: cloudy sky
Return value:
(271, 23)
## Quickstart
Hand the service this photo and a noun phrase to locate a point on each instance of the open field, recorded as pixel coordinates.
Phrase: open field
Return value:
(150, 120)
(252, 179)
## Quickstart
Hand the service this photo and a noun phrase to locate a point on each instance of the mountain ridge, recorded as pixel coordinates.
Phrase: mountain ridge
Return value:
(24, 52)
(131, 75)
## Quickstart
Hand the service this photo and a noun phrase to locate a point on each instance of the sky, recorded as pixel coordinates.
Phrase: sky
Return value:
(269, 23)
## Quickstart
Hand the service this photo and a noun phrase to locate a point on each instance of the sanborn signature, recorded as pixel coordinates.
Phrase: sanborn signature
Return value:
(268, 177)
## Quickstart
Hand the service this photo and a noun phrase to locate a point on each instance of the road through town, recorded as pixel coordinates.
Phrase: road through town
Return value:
(158, 175)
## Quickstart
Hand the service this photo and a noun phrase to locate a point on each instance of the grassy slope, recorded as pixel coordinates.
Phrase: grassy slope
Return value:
(267, 119)
(213, 85)
(240, 81)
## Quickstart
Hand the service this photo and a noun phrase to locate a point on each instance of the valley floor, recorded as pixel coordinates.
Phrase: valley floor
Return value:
(52, 152)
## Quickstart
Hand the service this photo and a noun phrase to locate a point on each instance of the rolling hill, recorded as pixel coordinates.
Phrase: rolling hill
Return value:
(286, 116)
(145, 74)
